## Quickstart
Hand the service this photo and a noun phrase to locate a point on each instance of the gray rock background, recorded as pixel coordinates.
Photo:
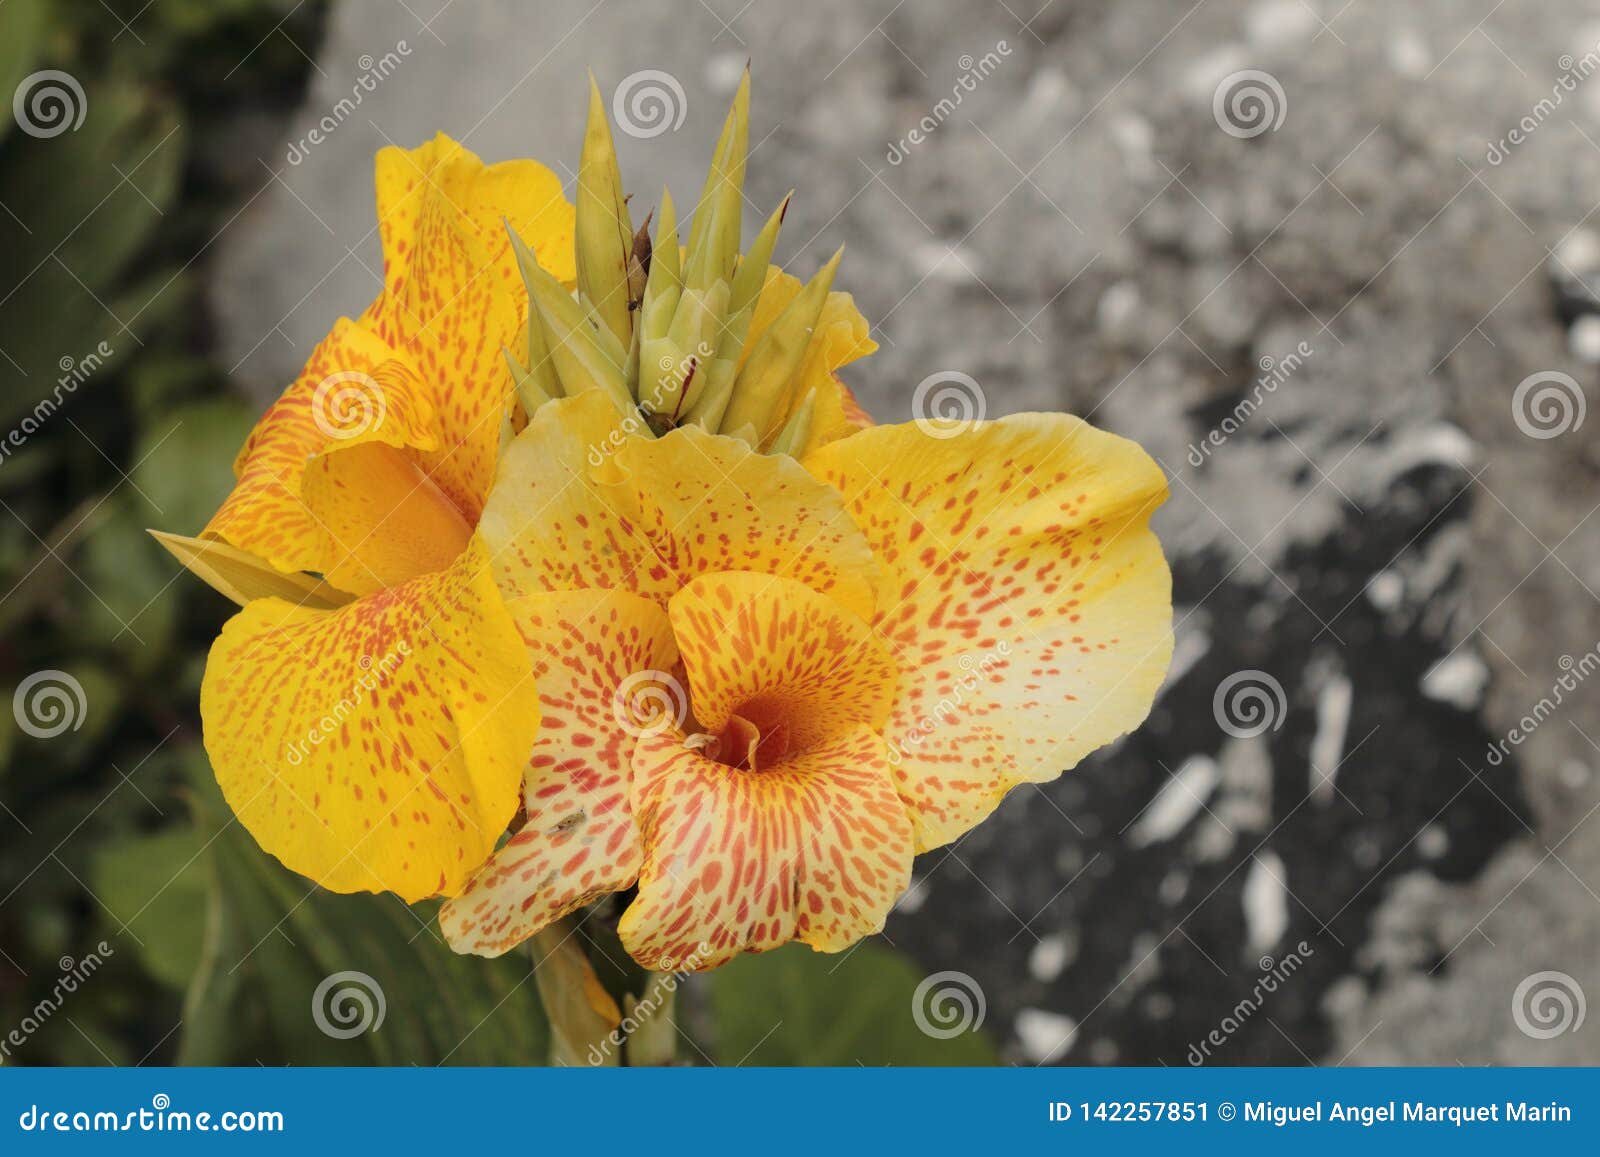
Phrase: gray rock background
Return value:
(1380, 536)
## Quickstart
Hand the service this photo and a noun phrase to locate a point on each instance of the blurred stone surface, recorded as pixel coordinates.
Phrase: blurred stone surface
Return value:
(1080, 232)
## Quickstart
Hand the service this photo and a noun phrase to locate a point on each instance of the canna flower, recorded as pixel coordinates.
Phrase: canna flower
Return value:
(369, 710)
(572, 568)
(779, 650)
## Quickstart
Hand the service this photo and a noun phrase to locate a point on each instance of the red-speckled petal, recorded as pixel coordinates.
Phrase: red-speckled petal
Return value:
(1024, 595)
(773, 649)
(452, 294)
(452, 299)
(580, 502)
(816, 848)
(579, 842)
(265, 514)
(380, 746)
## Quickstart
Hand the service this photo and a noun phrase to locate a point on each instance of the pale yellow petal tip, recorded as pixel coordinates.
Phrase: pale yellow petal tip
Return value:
(241, 576)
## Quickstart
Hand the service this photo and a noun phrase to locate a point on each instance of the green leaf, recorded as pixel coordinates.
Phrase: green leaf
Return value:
(81, 205)
(155, 885)
(24, 21)
(185, 462)
(800, 1007)
(272, 938)
(131, 609)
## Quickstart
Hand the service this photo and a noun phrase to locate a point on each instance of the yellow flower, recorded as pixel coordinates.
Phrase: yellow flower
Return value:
(370, 726)
(850, 659)
(778, 654)
(762, 651)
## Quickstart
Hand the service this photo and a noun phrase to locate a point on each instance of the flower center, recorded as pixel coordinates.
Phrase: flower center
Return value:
(756, 737)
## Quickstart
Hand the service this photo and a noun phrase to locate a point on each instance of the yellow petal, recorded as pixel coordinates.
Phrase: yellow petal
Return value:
(264, 514)
(836, 415)
(579, 841)
(452, 300)
(816, 848)
(387, 519)
(581, 503)
(1024, 595)
(453, 296)
(379, 746)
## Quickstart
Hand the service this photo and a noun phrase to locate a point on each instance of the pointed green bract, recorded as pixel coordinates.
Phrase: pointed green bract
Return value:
(718, 217)
(604, 234)
(792, 438)
(762, 391)
(663, 329)
(529, 391)
(540, 371)
(585, 356)
(751, 275)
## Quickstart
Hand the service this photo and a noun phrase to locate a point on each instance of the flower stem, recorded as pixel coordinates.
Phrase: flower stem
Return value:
(583, 1017)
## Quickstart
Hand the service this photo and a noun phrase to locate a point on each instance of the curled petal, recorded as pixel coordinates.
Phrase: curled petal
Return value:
(419, 371)
(453, 297)
(265, 513)
(773, 649)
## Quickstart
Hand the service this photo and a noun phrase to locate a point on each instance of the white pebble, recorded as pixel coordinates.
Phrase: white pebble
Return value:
(1583, 339)
(1433, 842)
(1457, 679)
(1179, 799)
(1051, 956)
(1385, 590)
(1045, 1036)
(1278, 23)
(1266, 902)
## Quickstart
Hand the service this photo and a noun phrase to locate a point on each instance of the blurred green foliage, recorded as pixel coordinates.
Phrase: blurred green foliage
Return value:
(112, 831)
(115, 418)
